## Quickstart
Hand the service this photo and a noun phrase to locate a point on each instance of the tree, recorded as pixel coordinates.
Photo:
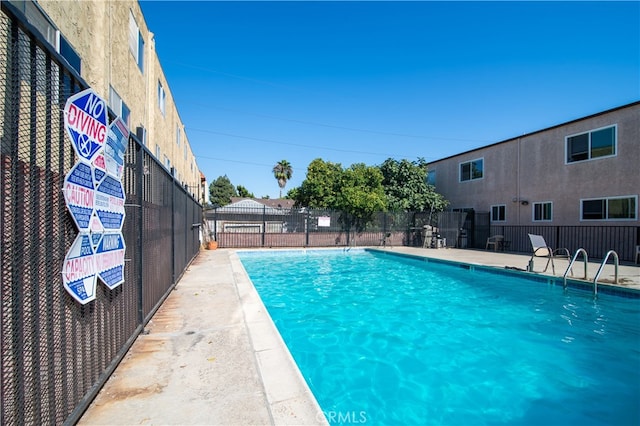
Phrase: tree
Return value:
(357, 191)
(406, 188)
(321, 187)
(221, 190)
(361, 196)
(244, 192)
(282, 171)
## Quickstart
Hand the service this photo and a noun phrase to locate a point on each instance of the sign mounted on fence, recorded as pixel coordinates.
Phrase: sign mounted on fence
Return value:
(117, 141)
(324, 221)
(79, 270)
(79, 194)
(85, 117)
(109, 203)
(94, 195)
(109, 257)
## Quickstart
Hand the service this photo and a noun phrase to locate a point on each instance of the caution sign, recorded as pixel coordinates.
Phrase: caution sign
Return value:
(85, 118)
(109, 256)
(79, 195)
(94, 196)
(79, 270)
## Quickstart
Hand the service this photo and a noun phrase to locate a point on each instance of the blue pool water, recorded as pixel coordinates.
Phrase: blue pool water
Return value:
(394, 340)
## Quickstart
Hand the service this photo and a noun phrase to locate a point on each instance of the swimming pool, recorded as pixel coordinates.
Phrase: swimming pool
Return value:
(386, 339)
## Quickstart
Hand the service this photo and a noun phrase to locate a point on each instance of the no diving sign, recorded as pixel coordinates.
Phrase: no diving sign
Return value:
(95, 196)
(85, 117)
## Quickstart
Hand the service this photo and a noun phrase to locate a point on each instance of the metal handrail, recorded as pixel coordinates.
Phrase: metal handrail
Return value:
(604, 262)
(575, 256)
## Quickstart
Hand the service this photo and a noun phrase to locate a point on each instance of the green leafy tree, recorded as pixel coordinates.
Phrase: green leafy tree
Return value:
(244, 192)
(282, 171)
(321, 187)
(221, 190)
(361, 196)
(406, 188)
(357, 191)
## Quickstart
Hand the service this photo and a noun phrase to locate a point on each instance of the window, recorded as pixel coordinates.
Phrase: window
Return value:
(614, 208)
(542, 212)
(161, 98)
(39, 19)
(136, 42)
(69, 54)
(167, 163)
(471, 170)
(118, 106)
(594, 144)
(158, 152)
(178, 135)
(431, 177)
(498, 213)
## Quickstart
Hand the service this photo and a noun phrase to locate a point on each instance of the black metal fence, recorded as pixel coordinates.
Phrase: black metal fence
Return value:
(281, 227)
(56, 354)
(270, 227)
(596, 240)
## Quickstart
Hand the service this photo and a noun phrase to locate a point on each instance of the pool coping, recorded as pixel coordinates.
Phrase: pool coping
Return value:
(289, 396)
(572, 282)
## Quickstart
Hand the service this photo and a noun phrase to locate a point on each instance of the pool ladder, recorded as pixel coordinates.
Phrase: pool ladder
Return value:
(586, 261)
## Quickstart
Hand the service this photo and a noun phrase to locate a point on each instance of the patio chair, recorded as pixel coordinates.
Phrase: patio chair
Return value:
(495, 241)
(541, 249)
(386, 240)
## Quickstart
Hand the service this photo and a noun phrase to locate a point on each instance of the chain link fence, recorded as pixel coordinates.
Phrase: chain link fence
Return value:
(56, 353)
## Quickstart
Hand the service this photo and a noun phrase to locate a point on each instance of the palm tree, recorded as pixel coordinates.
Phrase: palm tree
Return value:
(282, 171)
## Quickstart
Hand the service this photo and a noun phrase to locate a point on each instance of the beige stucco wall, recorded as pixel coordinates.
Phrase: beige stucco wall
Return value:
(533, 168)
(99, 32)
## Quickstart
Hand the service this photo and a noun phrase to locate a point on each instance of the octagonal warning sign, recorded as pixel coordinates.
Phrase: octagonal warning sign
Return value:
(79, 195)
(85, 118)
(109, 204)
(109, 257)
(79, 270)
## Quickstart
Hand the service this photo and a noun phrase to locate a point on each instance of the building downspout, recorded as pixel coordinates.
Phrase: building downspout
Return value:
(518, 180)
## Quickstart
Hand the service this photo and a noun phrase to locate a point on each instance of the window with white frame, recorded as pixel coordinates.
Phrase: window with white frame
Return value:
(543, 212)
(158, 152)
(593, 144)
(136, 42)
(472, 170)
(498, 213)
(611, 208)
(178, 134)
(118, 106)
(161, 98)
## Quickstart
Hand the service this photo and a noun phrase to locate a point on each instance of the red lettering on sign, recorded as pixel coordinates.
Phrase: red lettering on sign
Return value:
(82, 122)
(79, 196)
(78, 268)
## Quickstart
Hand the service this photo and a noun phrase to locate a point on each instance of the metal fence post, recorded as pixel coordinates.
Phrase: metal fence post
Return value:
(306, 227)
(264, 223)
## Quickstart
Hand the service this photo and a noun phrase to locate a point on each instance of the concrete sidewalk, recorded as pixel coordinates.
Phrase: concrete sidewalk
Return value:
(212, 355)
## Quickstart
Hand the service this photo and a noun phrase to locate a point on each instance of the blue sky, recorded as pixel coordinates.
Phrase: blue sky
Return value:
(349, 82)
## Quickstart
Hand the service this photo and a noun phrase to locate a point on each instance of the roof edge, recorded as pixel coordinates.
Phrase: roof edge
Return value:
(608, 111)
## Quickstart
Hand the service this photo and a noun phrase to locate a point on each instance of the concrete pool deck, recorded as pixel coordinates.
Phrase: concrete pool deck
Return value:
(212, 356)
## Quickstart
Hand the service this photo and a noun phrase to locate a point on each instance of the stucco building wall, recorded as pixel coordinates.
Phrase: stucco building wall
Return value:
(533, 169)
(99, 33)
